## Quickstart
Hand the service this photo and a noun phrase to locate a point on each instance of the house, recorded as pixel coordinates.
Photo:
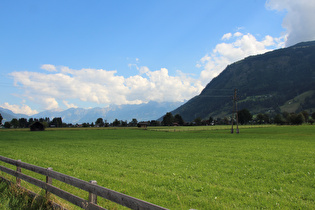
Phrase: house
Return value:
(143, 124)
(37, 126)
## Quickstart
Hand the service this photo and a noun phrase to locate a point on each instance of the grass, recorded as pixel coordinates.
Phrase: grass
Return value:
(267, 167)
(12, 197)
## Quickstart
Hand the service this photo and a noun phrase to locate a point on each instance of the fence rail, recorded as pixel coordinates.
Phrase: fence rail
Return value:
(91, 187)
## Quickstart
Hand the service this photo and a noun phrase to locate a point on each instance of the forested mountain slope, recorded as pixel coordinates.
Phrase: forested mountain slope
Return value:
(280, 80)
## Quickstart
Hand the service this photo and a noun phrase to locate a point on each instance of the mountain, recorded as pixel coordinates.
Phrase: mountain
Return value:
(8, 115)
(277, 81)
(142, 112)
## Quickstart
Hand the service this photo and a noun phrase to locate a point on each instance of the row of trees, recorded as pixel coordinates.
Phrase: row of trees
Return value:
(244, 117)
(26, 123)
(285, 118)
(57, 122)
(116, 123)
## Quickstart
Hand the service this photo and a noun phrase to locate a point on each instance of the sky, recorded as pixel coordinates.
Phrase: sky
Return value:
(56, 55)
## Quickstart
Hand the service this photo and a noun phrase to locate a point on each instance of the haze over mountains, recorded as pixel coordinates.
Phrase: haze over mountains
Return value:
(142, 112)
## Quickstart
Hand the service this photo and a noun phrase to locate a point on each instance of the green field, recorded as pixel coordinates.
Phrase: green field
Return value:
(200, 168)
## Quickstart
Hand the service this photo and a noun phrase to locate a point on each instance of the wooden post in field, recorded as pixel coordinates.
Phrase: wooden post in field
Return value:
(48, 181)
(18, 169)
(92, 196)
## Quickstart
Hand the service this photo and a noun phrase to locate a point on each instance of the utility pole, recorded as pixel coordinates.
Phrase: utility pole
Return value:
(235, 98)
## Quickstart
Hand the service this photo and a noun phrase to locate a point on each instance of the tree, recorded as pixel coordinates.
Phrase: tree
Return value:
(47, 119)
(45, 124)
(57, 122)
(296, 119)
(116, 122)
(279, 119)
(305, 114)
(1, 118)
(85, 125)
(286, 116)
(197, 121)
(262, 118)
(30, 121)
(313, 115)
(155, 123)
(300, 119)
(15, 123)
(22, 123)
(123, 123)
(178, 119)
(168, 119)
(244, 116)
(99, 122)
(211, 121)
(133, 122)
(7, 125)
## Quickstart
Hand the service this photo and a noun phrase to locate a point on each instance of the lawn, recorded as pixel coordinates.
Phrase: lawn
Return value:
(262, 167)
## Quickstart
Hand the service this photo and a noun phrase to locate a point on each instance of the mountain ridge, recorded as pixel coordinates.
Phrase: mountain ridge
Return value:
(264, 82)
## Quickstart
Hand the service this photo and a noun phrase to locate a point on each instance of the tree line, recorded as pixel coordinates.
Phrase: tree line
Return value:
(26, 123)
(244, 117)
(57, 122)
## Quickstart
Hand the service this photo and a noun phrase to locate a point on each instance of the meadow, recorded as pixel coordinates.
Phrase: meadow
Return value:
(196, 168)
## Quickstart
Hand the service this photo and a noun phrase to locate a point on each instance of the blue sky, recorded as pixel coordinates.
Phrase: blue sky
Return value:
(63, 54)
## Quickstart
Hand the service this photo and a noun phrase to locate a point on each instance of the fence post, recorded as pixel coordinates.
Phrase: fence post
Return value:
(48, 181)
(92, 196)
(18, 169)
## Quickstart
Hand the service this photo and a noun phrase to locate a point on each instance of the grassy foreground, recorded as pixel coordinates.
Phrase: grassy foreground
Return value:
(271, 167)
(12, 197)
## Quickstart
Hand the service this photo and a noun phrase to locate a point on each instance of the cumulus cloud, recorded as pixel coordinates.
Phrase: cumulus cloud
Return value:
(50, 103)
(23, 109)
(48, 67)
(69, 105)
(226, 36)
(299, 20)
(239, 47)
(105, 87)
(238, 34)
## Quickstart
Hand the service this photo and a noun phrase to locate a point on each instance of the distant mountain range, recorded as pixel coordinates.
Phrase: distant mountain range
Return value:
(277, 81)
(143, 112)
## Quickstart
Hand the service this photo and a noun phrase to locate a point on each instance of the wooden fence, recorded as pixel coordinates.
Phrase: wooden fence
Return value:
(91, 187)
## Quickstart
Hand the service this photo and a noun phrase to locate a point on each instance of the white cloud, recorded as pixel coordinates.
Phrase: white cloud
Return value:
(104, 87)
(226, 36)
(48, 67)
(299, 21)
(23, 109)
(160, 86)
(237, 34)
(68, 105)
(239, 47)
(50, 103)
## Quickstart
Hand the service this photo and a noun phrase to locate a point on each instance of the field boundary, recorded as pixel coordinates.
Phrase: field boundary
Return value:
(91, 187)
